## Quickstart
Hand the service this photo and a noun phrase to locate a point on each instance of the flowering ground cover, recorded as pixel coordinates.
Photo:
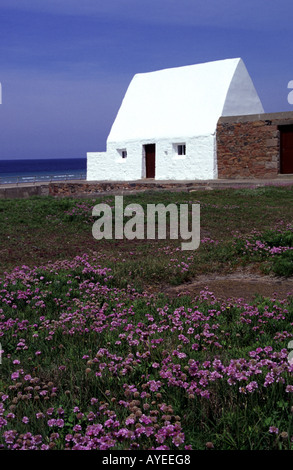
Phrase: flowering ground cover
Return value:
(87, 365)
(273, 246)
(91, 360)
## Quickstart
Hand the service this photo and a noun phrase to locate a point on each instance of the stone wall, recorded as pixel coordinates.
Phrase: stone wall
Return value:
(79, 189)
(248, 146)
(99, 188)
(96, 188)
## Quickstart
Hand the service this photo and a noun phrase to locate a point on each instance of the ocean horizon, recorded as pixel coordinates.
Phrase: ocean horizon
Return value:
(38, 170)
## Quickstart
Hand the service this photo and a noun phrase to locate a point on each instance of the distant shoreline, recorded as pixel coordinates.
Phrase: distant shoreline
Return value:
(32, 170)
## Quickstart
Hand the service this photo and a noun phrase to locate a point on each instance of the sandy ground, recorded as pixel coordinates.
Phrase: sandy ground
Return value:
(238, 285)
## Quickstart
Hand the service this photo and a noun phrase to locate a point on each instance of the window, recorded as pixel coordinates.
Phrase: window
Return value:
(181, 149)
(122, 153)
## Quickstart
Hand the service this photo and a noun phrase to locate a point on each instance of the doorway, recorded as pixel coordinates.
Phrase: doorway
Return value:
(286, 149)
(150, 160)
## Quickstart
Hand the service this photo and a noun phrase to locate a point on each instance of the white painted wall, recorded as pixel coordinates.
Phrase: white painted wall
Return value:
(199, 162)
(241, 98)
(169, 107)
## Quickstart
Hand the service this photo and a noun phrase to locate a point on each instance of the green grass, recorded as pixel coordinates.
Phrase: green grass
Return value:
(83, 342)
(36, 230)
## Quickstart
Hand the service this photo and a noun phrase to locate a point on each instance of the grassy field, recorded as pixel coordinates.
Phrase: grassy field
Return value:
(92, 361)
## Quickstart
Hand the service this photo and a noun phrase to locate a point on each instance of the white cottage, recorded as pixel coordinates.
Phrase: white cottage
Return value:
(166, 125)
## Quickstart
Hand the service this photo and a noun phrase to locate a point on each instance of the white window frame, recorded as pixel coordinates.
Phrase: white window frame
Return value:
(179, 150)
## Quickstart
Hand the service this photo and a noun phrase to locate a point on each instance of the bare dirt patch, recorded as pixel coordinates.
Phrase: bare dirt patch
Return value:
(238, 285)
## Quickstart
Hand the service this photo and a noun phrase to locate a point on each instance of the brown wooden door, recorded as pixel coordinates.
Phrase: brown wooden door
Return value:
(150, 160)
(286, 149)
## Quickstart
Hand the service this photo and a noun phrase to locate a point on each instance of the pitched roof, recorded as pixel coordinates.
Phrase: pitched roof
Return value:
(184, 101)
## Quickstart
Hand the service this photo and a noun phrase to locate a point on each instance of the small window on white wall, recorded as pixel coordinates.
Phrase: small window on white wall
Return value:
(181, 149)
(122, 153)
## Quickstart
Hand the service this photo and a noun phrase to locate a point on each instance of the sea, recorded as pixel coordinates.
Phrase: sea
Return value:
(42, 170)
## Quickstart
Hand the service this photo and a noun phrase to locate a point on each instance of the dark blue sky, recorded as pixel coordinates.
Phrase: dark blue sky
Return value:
(65, 65)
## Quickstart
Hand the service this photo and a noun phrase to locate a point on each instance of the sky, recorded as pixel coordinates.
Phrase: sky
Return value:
(65, 65)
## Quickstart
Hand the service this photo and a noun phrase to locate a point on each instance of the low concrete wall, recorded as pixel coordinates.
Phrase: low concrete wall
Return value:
(23, 191)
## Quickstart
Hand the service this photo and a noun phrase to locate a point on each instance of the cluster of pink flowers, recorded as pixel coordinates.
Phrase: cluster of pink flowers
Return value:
(82, 210)
(254, 246)
(100, 428)
(257, 247)
(143, 348)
